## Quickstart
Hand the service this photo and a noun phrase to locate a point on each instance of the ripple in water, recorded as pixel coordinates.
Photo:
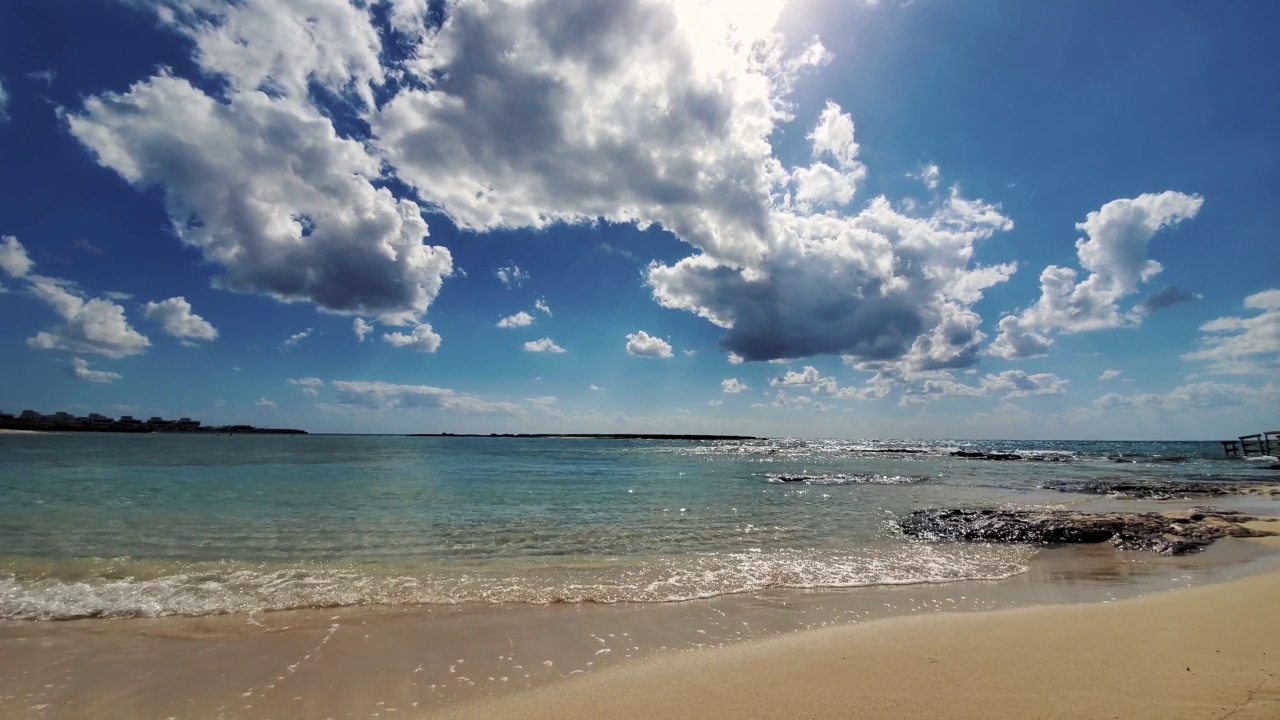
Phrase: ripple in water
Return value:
(212, 591)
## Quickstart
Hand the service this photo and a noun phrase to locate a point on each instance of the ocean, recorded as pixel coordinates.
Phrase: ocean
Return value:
(130, 526)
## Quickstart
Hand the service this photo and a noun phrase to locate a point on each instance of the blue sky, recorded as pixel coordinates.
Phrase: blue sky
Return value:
(807, 218)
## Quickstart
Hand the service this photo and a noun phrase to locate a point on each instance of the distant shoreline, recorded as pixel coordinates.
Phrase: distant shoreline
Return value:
(590, 436)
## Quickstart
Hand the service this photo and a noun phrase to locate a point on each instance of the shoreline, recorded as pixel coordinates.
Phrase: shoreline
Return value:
(357, 661)
(1205, 652)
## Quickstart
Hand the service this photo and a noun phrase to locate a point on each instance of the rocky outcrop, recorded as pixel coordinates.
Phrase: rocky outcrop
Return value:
(1161, 489)
(1163, 533)
(1032, 457)
(985, 455)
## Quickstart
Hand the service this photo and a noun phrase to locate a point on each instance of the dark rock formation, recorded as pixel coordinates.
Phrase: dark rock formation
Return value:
(985, 456)
(1162, 490)
(1165, 534)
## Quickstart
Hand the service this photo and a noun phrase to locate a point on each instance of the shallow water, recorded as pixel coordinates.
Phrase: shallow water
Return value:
(156, 525)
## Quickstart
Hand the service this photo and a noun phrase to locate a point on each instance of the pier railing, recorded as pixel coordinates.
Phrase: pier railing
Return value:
(1265, 443)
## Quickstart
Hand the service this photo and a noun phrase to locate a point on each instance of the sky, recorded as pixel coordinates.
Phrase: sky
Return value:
(981, 219)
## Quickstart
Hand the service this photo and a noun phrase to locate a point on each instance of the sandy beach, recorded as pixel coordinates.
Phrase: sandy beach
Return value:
(1089, 632)
(1208, 652)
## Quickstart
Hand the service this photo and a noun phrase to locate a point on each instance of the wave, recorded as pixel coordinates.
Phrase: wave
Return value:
(660, 580)
(845, 479)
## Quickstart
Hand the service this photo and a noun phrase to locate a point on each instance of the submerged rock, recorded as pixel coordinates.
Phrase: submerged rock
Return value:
(985, 455)
(1162, 489)
(1162, 533)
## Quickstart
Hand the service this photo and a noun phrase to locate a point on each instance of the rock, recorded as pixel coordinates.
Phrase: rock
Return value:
(1162, 533)
(985, 456)
(1162, 489)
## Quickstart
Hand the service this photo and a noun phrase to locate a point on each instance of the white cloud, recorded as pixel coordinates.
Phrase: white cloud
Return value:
(735, 359)
(264, 187)
(868, 286)
(94, 326)
(46, 76)
(526, 114)
(422, 339)
(175, 316)
(733, 386)
(117, 295)
(808, 376)
(595, 387)
(929, 175)
(541, 306)
(546, 344)
(265, 403)
(1201, 396)
(361, 328)
(1114, 253)
(519, 320)
(80, 370)
(690, 353)
(13, 257)
(1109, 375)
(511, 275)
(385, 396)
(642, 344)
(308, 385)
(715, 403)
(294, 339)
(544, 401)
(282, 47)
(1018, 384)
(820, 183)
(1239, 345)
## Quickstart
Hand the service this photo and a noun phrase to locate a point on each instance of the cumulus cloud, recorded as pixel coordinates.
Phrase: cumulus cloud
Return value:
(177, 319)
(1114, 254)
(642, 344)
(1109, 375)
(867, 286)
(546, 344)
(423, 339)
(511, 275)
(519, 320)
(265, 403)
(95, 326)
(733, 386)
(361, 328)
(735, 359)
(1165, 297)
(595, 387)
(386, 396)
(541, 306)
(809, 376)
(265, 188)
(293, 340)
(79, 369)
(1243, 345)
(505, 114)
(13, 257)
(283, 47)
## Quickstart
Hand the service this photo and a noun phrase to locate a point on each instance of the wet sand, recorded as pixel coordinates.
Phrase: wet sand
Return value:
(735, 656)
(1206, 652)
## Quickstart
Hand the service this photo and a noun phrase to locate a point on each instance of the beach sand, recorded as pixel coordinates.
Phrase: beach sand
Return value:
(1205, 652)
(1211, 650)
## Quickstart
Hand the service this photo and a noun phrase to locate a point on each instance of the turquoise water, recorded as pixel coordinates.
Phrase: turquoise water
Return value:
(148, 525)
